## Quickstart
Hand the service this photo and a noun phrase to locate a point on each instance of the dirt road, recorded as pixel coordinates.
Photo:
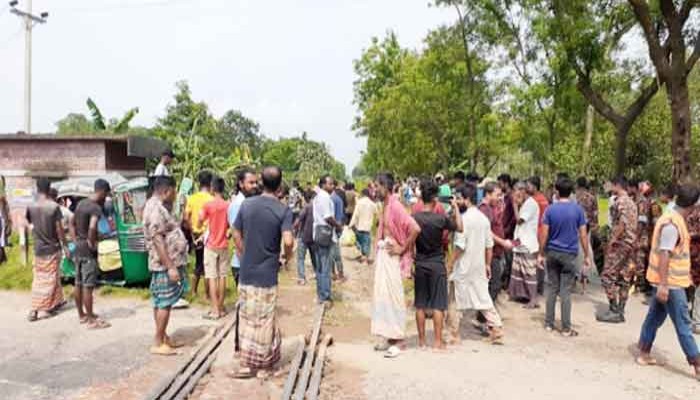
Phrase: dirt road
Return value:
(58, 359)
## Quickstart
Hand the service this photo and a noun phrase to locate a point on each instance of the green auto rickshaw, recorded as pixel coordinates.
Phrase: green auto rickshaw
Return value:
(121, 249)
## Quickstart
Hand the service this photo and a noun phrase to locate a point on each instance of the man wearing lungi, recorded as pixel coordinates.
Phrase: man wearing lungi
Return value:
(49, 245)
(396, 235)
(263, 223)
(167, 259)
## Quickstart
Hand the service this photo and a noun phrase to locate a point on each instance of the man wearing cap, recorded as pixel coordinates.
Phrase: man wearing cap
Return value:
(83, 227)
(165, 159)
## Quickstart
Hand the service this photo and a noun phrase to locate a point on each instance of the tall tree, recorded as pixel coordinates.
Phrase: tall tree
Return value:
(588, 32)
(668, 37)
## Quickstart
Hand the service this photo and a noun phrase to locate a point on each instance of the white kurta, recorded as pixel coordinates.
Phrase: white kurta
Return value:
(469, 275)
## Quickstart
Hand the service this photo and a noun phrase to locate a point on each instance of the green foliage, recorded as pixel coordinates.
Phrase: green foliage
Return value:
(78, 124)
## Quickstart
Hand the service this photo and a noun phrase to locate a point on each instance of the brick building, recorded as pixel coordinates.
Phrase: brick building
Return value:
(24, 158)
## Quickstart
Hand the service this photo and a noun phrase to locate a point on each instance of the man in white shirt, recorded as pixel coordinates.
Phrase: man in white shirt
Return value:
(165, 159)
(469, 269)
(361, 223)
(325, 227)
(523, 277)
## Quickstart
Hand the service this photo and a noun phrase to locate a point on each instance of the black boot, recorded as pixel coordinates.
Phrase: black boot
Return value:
(612, 315)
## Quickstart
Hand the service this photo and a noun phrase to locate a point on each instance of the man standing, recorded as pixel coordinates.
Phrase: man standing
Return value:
(192, 210)
(361, 223)
(396, 235)
(491, 207)
(564, 229)
(430, 287)
(262, 225)
(49, 244)
(509, 221)
(304, 229)
(644, 231)
(669, 275)
(325, 227)
(533, 189)
(247, 184)
(589, 204)
(216, 253)
(350, 201)
(165, 160)
(619, 257)
(523, 277)
(167, 259)
(295, 200)
(5, 222)
(469, 268)
(339, 215)
(84, 230)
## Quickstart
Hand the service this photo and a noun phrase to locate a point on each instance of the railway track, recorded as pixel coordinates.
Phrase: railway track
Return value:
(180, 384)
(306, 372)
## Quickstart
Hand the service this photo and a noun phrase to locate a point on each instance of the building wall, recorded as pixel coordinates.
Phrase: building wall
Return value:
(50, 158)
(22, 161)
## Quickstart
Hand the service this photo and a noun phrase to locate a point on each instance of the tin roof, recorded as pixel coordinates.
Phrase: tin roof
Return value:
(52, 136)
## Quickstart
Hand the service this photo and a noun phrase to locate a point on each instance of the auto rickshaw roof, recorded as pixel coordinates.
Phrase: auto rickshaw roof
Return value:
(85, 186)
(130, 185)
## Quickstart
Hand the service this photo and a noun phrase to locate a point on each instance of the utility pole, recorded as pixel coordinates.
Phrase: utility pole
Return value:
(29, 21)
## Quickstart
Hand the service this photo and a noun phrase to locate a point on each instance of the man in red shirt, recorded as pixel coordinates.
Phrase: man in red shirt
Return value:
(491, 206)
(533, 189)
(217, 258)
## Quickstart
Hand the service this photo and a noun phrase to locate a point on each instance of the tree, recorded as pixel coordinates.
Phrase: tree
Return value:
(79, 123)
(74, 123)
(668, 36)
(237, 130)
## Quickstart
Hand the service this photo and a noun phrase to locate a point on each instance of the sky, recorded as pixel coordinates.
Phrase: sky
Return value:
(285, 63)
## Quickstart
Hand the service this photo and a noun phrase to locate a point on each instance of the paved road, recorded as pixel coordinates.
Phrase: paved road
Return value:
(60, 359)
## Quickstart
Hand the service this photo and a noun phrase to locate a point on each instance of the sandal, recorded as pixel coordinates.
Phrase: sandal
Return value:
(33, 316)
(98, 324)
(569, 333)
(243, 373)
(163, 350)
(211, 317)
(392, 352)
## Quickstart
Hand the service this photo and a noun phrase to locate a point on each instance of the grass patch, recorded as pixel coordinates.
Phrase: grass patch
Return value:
(13, 274)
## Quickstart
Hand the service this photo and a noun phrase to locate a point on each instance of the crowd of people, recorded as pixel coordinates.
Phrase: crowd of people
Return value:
(464, 242)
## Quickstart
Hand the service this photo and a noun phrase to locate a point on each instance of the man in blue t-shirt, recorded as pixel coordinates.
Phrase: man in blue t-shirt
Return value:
(564, 227)
(262, 225)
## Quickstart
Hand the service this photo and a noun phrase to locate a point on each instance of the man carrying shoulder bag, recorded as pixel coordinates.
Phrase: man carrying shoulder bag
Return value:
(324, 236)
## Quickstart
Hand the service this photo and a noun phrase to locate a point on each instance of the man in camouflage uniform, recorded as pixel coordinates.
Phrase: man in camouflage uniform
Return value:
(619, 257)
(693, 222)
(588, 201)
(645, 229)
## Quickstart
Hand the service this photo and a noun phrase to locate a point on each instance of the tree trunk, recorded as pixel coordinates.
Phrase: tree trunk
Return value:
(621, 148)
(590, 115)
(677, 91)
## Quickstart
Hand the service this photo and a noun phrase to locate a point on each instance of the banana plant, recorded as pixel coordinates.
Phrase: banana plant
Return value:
(114, 125)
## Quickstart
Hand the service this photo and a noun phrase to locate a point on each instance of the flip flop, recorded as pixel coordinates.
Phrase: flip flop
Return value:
(98, 324)
(392, 352)
(569, 333)
(211, 317)
(243, 373)
(163, 350)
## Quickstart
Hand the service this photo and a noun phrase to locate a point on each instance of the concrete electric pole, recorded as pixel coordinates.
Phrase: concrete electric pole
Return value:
(29, 21)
